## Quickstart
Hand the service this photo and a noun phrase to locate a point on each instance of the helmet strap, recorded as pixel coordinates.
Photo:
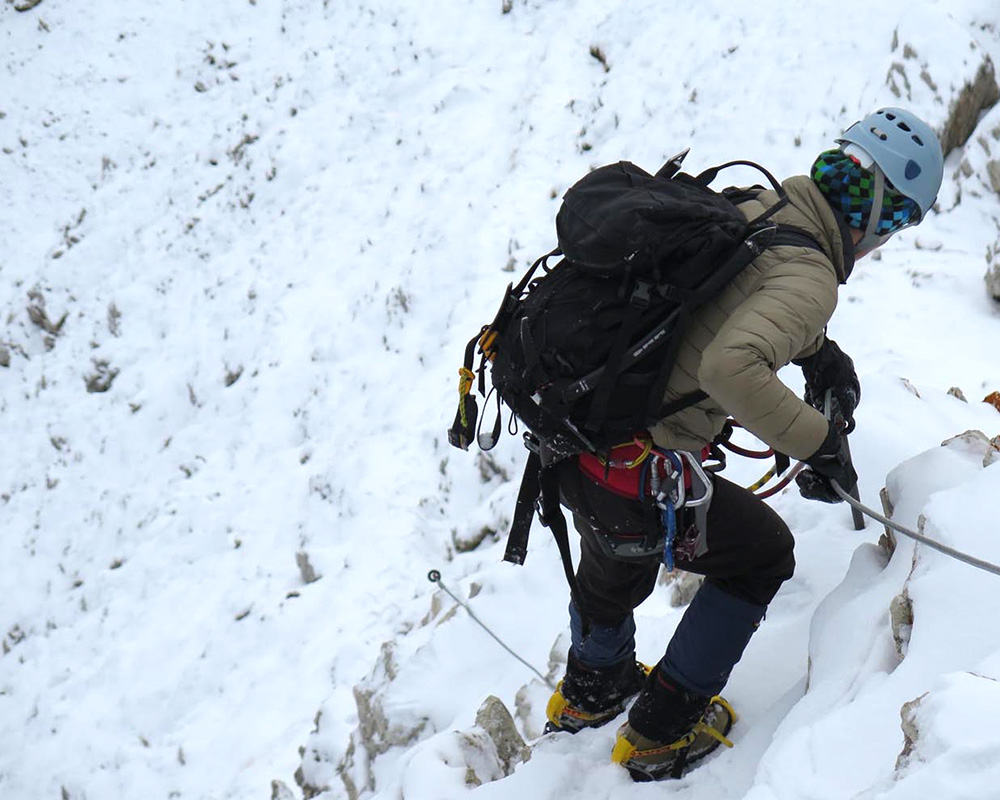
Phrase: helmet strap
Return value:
(871, 240)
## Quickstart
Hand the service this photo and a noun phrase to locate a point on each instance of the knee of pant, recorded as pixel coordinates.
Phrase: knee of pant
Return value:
(784, 550)
(773, 555)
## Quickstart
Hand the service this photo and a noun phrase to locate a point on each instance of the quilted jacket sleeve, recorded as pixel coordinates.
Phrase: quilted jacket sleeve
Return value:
(783, 318)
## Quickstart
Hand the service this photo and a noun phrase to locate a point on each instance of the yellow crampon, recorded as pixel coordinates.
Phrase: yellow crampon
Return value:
(564, 716)
(624, 750)
(559, 707)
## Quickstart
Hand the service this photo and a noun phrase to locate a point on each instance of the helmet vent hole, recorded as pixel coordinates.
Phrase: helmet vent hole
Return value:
(879, 133)
(917, 139)
(904, 126)
(890, 117)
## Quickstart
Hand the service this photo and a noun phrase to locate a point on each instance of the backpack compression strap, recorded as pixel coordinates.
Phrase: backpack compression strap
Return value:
(552, 517)
(540, 485)
(524, 511)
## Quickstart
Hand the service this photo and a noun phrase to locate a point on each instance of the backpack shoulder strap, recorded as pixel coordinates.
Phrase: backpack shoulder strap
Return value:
(794, 237)
(737, 195)
(784, 235)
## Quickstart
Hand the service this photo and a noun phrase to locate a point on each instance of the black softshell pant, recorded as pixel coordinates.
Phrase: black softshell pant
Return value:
(749, 556)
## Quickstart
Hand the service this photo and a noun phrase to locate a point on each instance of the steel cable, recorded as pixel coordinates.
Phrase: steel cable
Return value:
(434, 576)
(918, 537)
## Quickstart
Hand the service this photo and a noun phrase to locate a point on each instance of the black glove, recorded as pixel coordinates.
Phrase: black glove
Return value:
(828, 463)
(831, 368)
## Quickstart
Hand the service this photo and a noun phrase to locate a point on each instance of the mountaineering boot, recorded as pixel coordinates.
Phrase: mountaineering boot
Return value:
(669, 729)
(590, 697)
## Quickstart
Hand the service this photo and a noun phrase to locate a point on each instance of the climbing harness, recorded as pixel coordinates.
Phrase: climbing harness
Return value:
(671, 483)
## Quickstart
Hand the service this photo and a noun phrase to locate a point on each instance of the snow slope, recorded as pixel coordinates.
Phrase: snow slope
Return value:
(241, 247)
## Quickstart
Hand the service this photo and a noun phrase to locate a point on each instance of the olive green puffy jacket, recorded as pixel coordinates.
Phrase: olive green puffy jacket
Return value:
(773, 311)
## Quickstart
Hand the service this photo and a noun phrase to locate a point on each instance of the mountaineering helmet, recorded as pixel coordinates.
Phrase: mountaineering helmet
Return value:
(890, 160)
(905, 148)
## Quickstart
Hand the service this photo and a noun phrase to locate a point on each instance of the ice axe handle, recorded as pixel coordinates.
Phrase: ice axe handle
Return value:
(859, 518)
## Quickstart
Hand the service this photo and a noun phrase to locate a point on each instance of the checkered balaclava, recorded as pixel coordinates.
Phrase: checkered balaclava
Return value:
(849, 187)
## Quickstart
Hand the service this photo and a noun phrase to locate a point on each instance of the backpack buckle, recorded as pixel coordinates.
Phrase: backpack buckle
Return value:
(540, 511)
(642, 294)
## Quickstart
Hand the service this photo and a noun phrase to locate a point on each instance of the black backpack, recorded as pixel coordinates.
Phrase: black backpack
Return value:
(582, 353)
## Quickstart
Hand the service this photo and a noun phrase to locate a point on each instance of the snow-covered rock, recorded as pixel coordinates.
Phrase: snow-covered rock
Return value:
(992, 277)
(952, 745)
(976, 96)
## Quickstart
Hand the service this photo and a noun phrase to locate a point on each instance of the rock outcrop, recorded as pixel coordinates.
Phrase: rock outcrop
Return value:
(977, 95)
(493, 747)
(993, 272)
(911, 732)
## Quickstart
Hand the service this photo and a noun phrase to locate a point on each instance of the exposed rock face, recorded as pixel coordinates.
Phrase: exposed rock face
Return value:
(389, 718)
(958, 394)
(962, 96)
(316, 767)
(901, 618)
(911, 733)
(381, 726)
(279, 791)
(993, 275)
(473, 540)
(379, 733)
(887, 541)
(993, 173)
(993, 454)
(494, 746)
(973, 442)
(981, 93)
(978, 175)
(377, 730)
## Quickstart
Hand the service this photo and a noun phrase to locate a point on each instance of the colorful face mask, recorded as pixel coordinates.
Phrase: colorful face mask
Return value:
(849, 188)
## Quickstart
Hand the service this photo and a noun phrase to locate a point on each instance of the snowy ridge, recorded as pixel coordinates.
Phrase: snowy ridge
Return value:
(241, 248)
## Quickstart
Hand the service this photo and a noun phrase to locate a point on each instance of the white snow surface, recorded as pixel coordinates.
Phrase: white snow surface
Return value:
(272, 226)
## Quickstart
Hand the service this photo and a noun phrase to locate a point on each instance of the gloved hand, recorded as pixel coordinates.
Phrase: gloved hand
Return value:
(831, 368)
(828, 463)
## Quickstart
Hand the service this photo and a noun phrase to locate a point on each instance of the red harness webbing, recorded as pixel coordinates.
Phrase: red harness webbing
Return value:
(624, 480)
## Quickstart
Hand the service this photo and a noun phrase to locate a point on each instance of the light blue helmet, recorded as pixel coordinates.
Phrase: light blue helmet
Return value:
(905, 149)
